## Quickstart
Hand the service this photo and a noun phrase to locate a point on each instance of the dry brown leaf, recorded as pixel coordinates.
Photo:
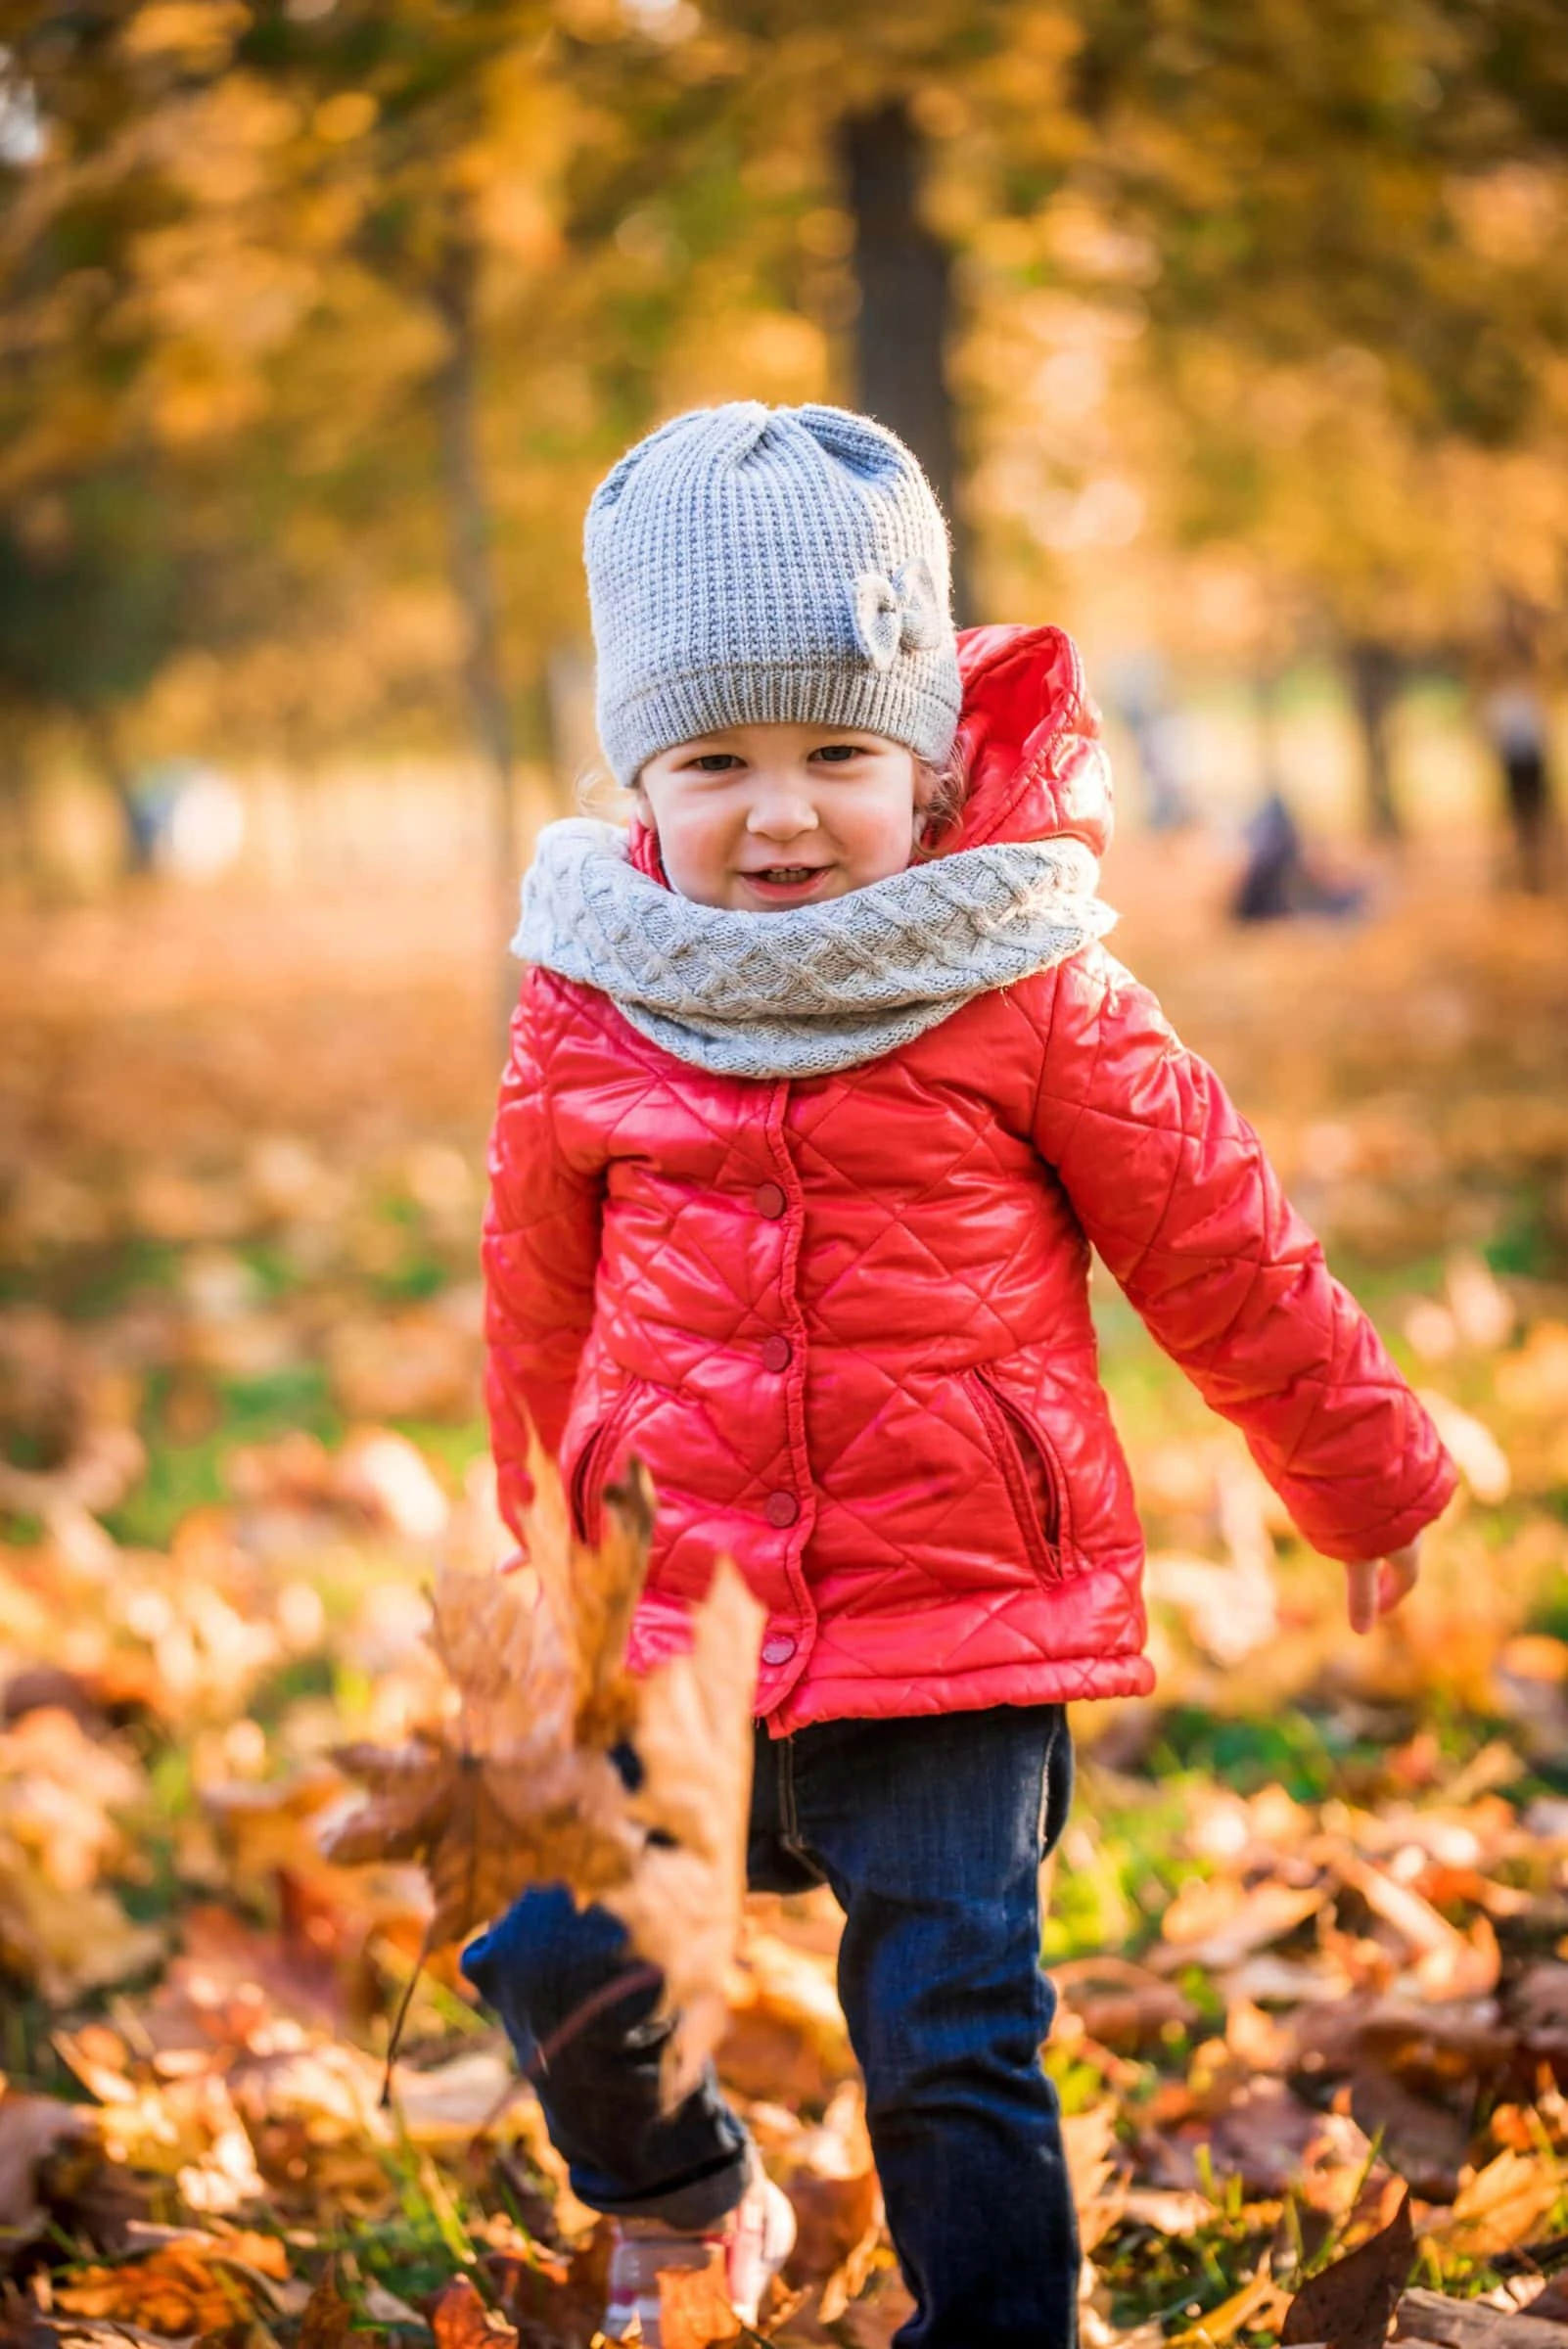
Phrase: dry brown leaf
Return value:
(175, 2290)
(871, 2321)
(1089, 2140)
(1446, 1962)
(1431, 2318)
(1535, 1381)
(556, 2302)
(33, 2132)
(327, 2319)
(694, 2308)
(66, 1942)
(1256, 2307)
(1218, 1922)
(591, 1592)
(1501, 2206)
(418, 1364)
(520, 1786)
(503, 1796)
(1348, 2304)
(829, 2175)
(1168, 2210)
(466, 1816)
(460, 2320)
(1255, 2039)
(1425, 2142)
(1122, 2005)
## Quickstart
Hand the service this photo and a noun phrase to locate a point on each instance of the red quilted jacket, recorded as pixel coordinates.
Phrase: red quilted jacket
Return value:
(845, 1319)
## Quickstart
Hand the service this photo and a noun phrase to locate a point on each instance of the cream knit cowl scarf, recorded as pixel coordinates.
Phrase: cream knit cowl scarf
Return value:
(816, 987)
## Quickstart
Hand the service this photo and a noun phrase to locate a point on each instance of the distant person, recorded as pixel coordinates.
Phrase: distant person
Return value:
(1518, 727)
(1280, 878)
(187, 821)
(821, 1084)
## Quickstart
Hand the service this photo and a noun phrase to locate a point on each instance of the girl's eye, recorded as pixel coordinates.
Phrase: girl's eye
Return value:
(837, 754)
(714, 763)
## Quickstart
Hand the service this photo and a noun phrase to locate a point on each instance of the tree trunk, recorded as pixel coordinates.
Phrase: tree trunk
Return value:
(1373, 670)
(905, 277)
(471, 564)
(19, 862)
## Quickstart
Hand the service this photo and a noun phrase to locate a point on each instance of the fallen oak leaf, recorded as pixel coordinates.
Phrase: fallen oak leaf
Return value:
(830, 2178)
(1501, 2206)
(1123, 2006)
(555, 2301)
(35, 2133)
(327, 2319)
(1215, 1924)
(460, 2319)
(1348, 2304)
(695, 2309)
(171, 2291)
(503, 1796)
(465, 1816)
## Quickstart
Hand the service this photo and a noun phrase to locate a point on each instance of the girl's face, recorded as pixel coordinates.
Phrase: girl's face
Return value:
(756, 818)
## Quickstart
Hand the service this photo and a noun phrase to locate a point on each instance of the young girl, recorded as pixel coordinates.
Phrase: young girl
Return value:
(820, 1088)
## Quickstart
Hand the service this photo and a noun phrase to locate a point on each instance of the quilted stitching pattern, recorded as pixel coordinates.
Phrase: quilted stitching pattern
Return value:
(937, 1206)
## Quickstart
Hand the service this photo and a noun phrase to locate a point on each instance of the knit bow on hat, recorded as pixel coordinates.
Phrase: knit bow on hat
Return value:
(897, 615)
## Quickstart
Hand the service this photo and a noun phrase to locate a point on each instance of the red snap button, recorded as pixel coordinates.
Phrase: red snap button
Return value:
(777, 1353)
(781, 1509)
(768, 1199)
(778, 1649)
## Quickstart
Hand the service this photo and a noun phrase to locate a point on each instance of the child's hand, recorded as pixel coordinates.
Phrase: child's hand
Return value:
(1376, 1585)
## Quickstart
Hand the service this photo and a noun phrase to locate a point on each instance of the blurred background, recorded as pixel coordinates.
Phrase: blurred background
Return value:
(1236, 337)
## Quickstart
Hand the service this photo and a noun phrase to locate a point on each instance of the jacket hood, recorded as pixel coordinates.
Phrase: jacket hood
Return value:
(1029, 740)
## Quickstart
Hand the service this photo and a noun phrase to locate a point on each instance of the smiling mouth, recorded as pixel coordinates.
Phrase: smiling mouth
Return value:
(784, 876)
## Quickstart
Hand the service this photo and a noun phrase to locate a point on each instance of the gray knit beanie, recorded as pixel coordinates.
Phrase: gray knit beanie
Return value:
(749, 564)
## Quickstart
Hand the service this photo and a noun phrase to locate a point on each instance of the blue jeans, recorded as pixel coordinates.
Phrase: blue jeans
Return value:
(930, 1831)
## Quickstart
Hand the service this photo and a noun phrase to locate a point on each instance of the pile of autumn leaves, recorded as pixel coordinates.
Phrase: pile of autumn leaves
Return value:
(1341, 2053)
(1348, 2024)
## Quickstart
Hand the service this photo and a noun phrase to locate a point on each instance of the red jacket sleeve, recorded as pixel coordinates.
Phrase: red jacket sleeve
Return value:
(539, 1251)
(1171, 1187)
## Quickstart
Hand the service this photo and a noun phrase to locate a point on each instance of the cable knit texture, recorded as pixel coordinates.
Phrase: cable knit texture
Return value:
(817, 988)
(845, 1319)
(751, 565)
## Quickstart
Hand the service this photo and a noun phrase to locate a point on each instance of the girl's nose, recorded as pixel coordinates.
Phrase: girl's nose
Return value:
(780, 811)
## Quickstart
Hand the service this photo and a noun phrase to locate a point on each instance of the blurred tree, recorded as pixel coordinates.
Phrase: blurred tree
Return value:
(385, 285)
(1317, 189)
(902, 323)
(90, 609)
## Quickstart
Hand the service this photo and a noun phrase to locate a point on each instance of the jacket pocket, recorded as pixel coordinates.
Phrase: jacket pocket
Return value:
(1032, 1471)
(590, 1470)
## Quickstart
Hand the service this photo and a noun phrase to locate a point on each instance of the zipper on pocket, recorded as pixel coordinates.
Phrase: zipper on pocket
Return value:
(587, 1476)
(1032, 1473)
